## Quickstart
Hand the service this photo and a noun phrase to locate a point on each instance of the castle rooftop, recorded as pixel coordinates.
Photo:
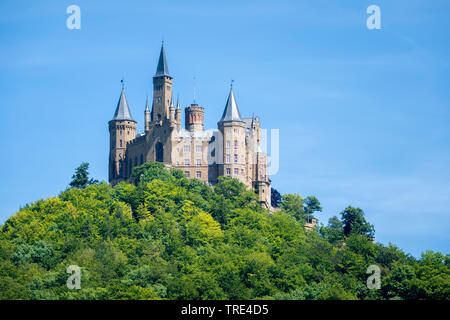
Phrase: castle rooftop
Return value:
(122, 110)
(231, 112)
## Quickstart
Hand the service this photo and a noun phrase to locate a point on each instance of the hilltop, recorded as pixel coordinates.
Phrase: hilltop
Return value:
(168, 237)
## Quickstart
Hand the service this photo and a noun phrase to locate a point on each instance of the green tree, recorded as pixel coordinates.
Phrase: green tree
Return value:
(150, 171)
(334, 231)
(301, 209)
(355, 223)
(81, 177)
(292, 204)
(275, 197)
(311, 204)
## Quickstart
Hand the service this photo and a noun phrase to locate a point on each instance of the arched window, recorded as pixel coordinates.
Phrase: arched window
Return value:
(120, 168)
(121, 143)
(159, 152)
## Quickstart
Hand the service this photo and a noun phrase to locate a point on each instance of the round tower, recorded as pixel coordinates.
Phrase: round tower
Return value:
(194, 117)
(122, 129)
(233, 129)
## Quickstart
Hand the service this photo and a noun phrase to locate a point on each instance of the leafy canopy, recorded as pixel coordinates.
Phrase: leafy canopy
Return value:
(169, 237)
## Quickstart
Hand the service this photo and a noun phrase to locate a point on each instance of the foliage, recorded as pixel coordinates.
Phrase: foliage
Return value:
(169, 237)
(354, 222)
(80, 179)
(275, 197)
(301, 209)
(334, 232)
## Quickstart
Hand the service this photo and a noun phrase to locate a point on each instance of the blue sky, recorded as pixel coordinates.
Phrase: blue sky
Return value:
(363, 114)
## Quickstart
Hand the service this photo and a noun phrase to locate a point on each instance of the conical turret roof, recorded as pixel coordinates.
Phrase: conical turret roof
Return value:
(122, 110)
(231, 112)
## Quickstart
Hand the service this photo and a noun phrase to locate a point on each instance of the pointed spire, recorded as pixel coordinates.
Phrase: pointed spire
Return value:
(231, 112)
(162, 69)
(146, 104)
(171, 102)
(178, 101)
(122, 109)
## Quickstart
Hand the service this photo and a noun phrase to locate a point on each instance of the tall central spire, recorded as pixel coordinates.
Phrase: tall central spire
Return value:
(163, 68)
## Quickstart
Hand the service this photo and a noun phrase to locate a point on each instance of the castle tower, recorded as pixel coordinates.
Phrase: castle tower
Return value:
(122, 129)
(162, 89)
(262, 182)
(194, 117)
(232, 129)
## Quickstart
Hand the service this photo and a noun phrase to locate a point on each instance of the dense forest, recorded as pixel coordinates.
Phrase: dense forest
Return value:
(163, 236)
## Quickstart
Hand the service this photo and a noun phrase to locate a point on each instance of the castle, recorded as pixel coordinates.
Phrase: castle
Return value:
(234, 149)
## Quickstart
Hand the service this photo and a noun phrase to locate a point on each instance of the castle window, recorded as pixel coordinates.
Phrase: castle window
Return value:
(120, 132)
(121, 143)
(187, 148)
(235, 158)
(186, 162)
(159, 152)
(236, 171)
(199, 162)
(236, 131)
(228, 158)
(228, 171)
(199, 174)
(198, 148)
(187, 173)
(120, 168)
(228, 143)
